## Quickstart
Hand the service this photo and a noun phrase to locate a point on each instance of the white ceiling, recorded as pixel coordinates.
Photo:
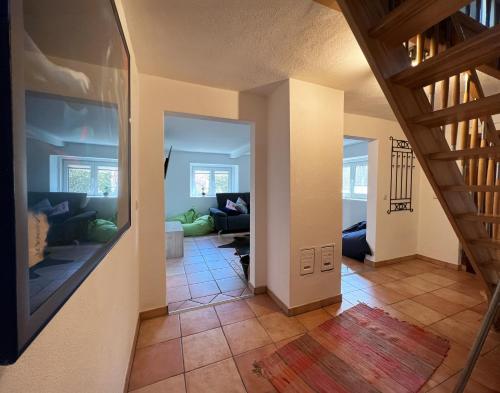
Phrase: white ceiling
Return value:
(206, 135)
(244, 45)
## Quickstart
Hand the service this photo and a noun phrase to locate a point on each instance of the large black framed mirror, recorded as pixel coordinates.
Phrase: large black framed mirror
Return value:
(64, 155)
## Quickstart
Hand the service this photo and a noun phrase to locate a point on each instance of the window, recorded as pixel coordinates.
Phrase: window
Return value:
(90, 175)
(355, 178)
(210, 179)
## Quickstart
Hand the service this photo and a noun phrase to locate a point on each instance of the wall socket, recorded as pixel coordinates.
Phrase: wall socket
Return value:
(306, 261)
(326, 258)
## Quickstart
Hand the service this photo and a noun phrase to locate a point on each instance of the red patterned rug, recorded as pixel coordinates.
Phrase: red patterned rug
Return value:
(361, 350)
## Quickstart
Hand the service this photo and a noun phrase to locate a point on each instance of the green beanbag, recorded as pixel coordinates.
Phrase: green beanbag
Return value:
(201, 226)
(186, 218)
(102, 231)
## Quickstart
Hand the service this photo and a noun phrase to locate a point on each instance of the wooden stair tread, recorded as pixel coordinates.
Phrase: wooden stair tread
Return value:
(469, 110)
(465, 188)
(461, 57)
(479, 217)
(413, 17)
(484, 242)
(490, 152)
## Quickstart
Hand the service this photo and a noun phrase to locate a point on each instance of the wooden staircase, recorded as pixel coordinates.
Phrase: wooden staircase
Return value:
(426, 55)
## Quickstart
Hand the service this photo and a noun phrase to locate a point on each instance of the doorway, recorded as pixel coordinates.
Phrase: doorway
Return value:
(208, 176)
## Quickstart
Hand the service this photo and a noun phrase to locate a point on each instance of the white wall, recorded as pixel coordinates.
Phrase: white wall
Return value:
(436, 238)
(160, 95)
(354, 210)
(86, 346)
(177, 184)
(394, 235)
(316, 136)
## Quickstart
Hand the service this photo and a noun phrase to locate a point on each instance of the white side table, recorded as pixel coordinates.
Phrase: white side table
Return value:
(174, 237)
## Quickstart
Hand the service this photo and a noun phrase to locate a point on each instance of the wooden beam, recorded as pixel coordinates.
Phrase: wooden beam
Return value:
(330, 4)
(461, 57)
(493, 151)
(479, 217)
(464, 188)
(413, 17)
(489, 243)
(474, 109)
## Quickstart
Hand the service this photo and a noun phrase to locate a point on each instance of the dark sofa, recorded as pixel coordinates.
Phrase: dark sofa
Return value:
(74, 226)
(225, 222)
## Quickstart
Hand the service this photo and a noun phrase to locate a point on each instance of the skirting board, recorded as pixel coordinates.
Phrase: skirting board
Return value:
(437, 262)
(132, 355)
(257, 290)
(153, 313)
(305, 307)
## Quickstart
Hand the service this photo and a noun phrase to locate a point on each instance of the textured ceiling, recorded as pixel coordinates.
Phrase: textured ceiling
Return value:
(246, 45)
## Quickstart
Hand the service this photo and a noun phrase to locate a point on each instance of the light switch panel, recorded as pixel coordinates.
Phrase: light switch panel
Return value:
(306, 261)
(326, 262)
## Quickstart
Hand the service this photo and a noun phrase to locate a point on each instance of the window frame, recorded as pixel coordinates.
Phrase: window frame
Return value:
(59, 179)
(353, 162)
(212, 168)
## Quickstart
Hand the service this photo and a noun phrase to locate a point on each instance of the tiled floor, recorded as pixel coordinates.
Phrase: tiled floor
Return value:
(213, 349)
(205, 275)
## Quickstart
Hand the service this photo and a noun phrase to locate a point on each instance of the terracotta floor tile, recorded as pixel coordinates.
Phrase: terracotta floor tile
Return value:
(218, 264)
(253, 382)
(346, 287)
(418, 311)
(385, 295)
(194, 268)
(221, 377)
(262, 304)
(204, 289)
(436, 279)
(198, 321)
(198, 277)
(462, 334)
(438, 304)
(192, 252)
(175, 270)
(448, 386)
(338, 308)
(314, 318)
(188, 304)
(235, 293)
(361, 296)
(170, 385)
(246, 335)
(153, 331)
(177, 280)
(221, 298)
(204, 299)
(230, 284)
(204, 348)
(441, 374)
(357, 281)
(487, 372)
(234, 312)
(376, 276)
(279, 326)
(409, 268)
(453, 274)
(393, 273)
(177, 294)
(456, 297)
(156, 362)
(420, 283)
(192, 260)
(404, 288)
(223, 273)
(455, 359)
(285, 341)
(472, 288)
(401, 316)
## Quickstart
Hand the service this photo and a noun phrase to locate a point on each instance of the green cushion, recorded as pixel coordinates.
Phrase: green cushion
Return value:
(102, 231)
(201, 226)
(185, 218)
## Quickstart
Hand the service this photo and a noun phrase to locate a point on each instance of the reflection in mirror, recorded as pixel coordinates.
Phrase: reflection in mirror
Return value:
(76, 139)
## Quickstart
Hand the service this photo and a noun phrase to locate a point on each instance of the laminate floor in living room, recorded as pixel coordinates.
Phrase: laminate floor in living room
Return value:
(205, 275)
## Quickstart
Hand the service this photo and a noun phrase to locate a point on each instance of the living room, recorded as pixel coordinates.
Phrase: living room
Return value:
(207, 209)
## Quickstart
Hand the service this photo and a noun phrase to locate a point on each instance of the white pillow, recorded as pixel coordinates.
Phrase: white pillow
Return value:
(231, 206)
(241, 205)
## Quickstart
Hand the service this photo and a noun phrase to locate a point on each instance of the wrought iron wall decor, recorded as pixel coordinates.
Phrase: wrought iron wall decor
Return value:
(402, 165)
